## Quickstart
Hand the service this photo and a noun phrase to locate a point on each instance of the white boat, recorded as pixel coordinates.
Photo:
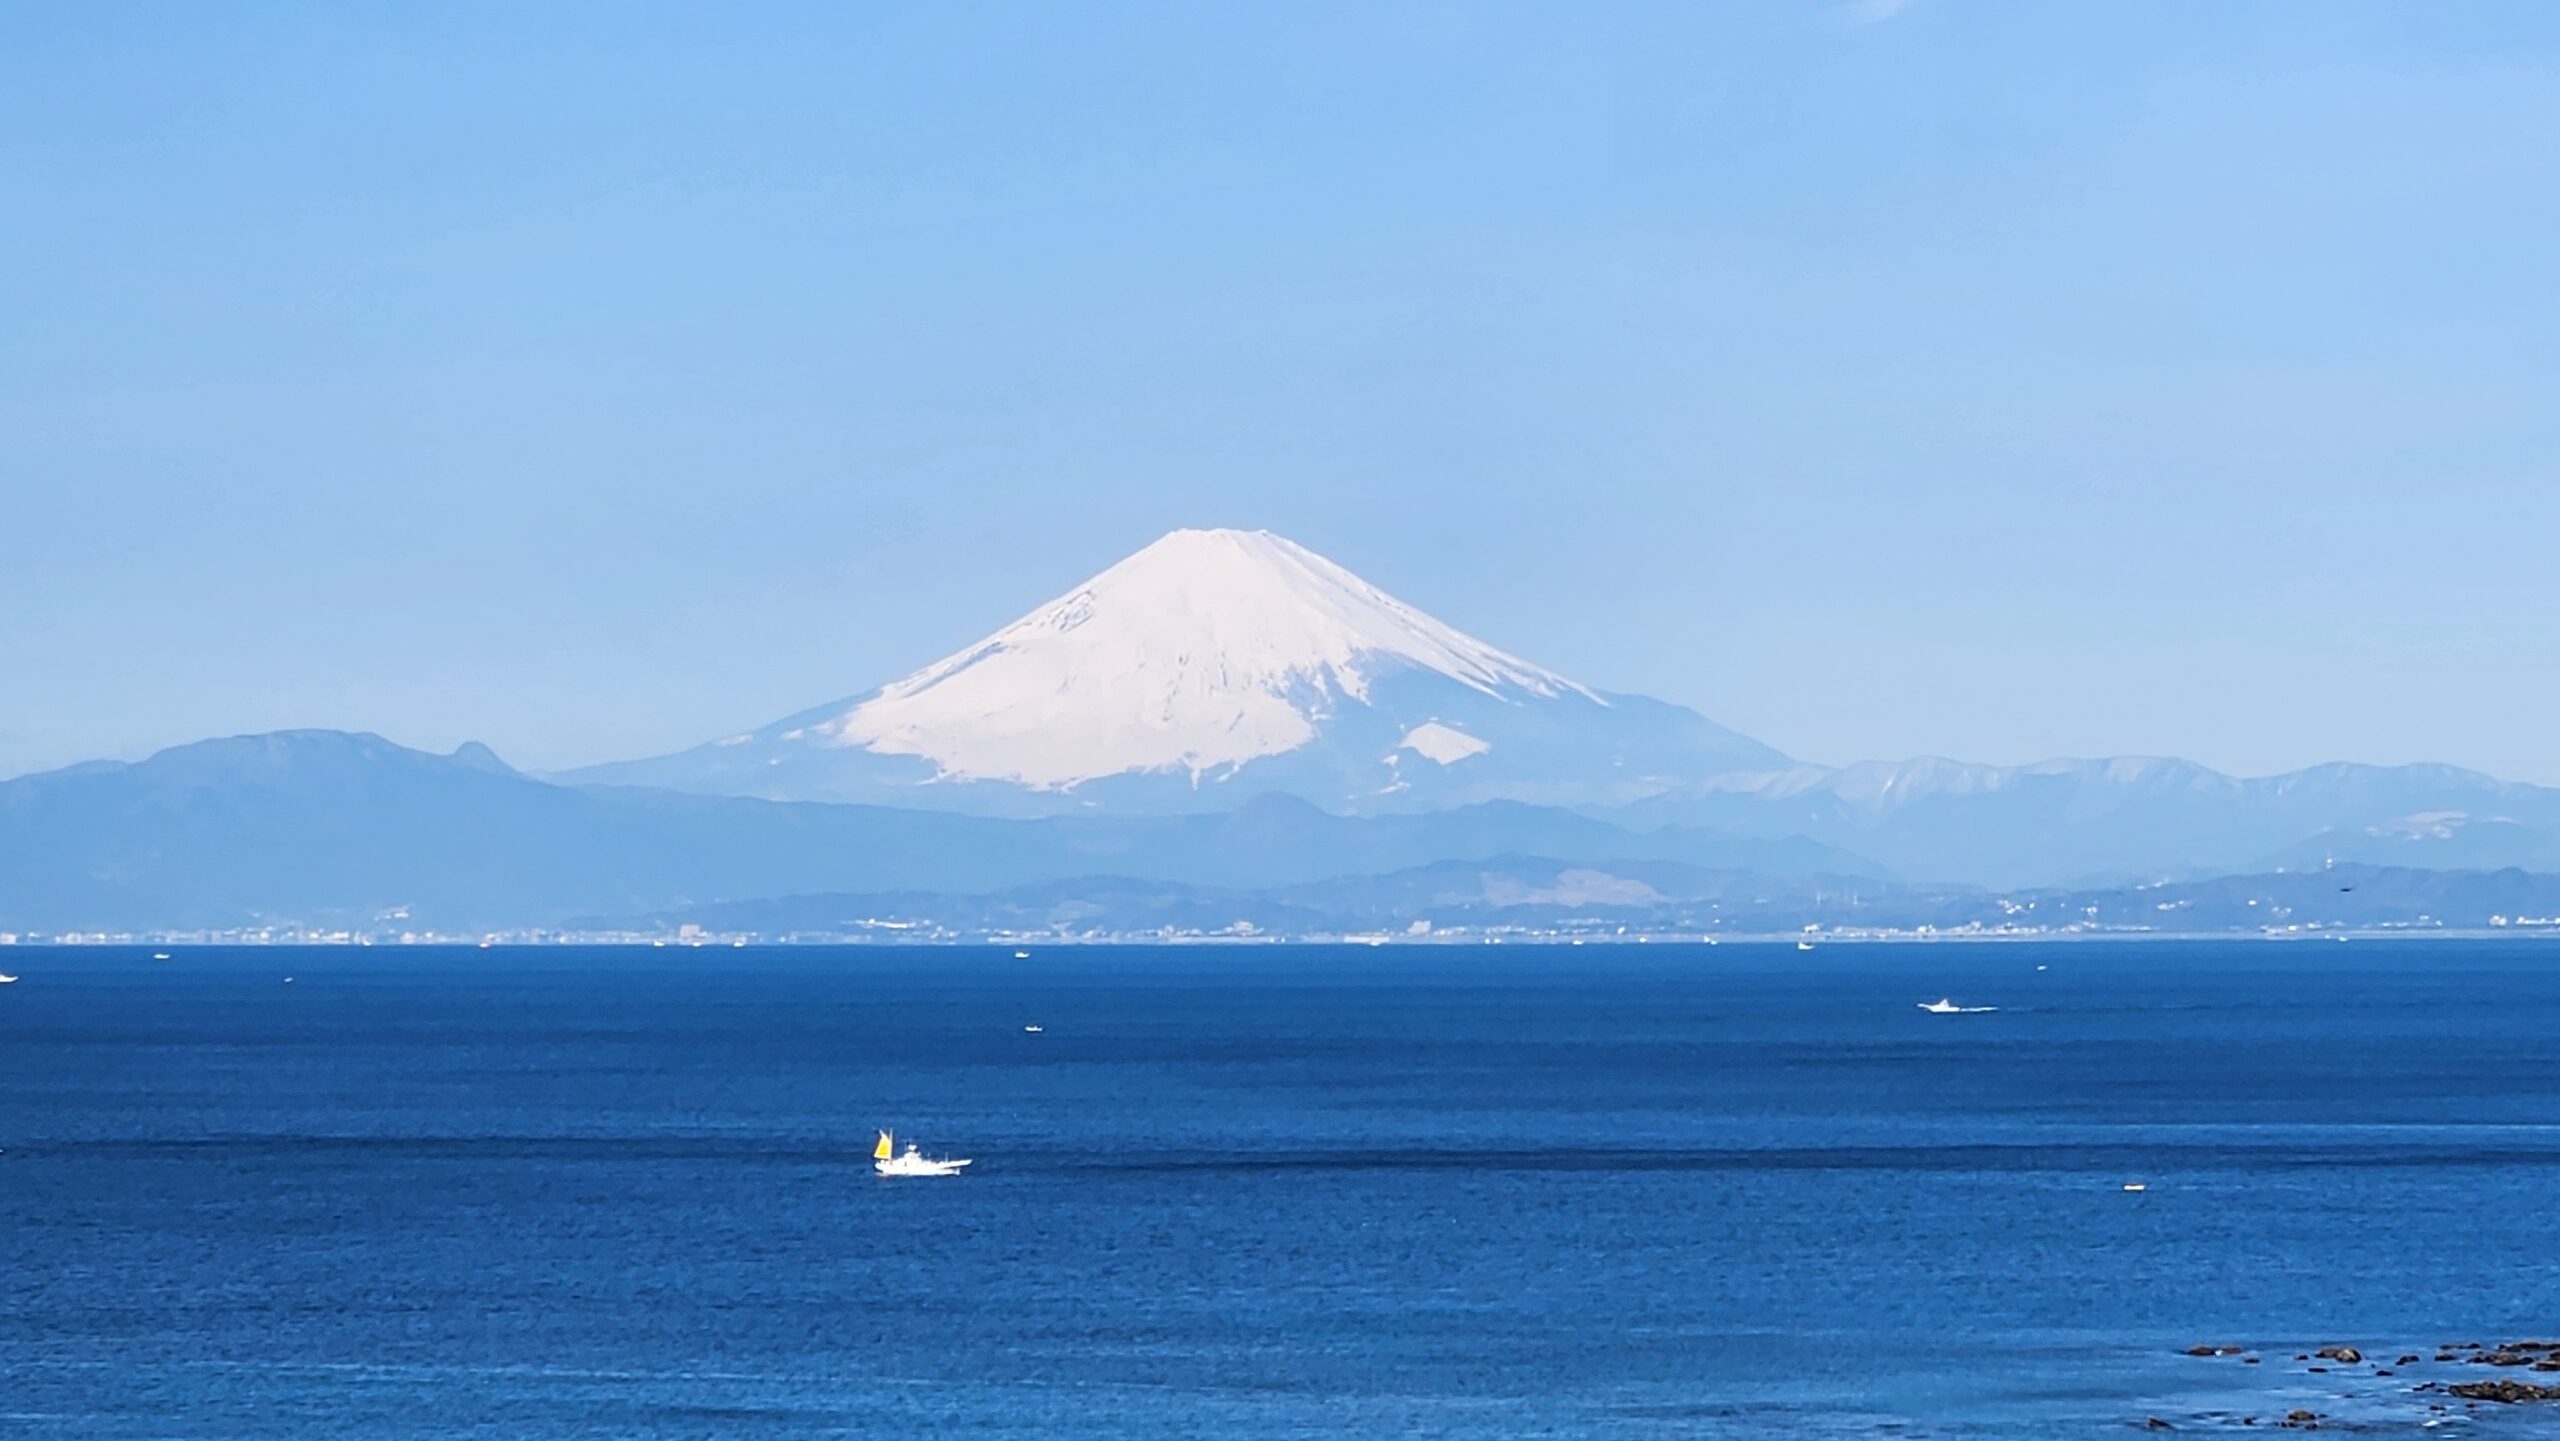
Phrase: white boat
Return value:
(2136, 1186)
(1033, 1030)
(159, 955)
(1022, 955)
(888, 1160)
(1945, 1007)
(1804, 945)
(8, 980)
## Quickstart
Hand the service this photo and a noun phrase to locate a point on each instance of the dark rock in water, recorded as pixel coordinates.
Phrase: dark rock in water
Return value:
(2503, 1391)
(2248, 1360)
(2382, 1370)
(2343, 1355)
(2302, 1356)
(2505, 1357)
(2409, 1360)
(2301, 1420)
(2204, 1351)
(2154, 1423)
(2323, 1370)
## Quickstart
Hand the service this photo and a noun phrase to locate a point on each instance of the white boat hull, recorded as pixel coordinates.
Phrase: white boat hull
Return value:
(913, 1165)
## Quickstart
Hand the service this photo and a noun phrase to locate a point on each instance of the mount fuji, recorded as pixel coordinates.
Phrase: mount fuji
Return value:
(1231, 716)
(1207, 668)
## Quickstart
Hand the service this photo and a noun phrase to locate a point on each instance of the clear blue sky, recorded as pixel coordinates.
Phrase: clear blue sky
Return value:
(1993, 380)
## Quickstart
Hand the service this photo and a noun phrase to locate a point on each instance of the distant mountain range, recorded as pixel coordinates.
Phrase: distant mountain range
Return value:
(2129, 817)
(1218, 665)
(329, 826)
(1224, 712)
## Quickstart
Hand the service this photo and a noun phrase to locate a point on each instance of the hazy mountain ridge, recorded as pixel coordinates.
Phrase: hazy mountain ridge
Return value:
(325, 825)
(321, 826)
(2120, 818)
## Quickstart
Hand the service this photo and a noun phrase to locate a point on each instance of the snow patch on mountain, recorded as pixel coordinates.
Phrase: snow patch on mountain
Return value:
(1445, 744)
(1207, 649)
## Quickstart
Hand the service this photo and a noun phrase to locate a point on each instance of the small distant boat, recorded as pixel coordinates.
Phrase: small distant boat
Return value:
(159, 955)
(2136, 1186)
(1804, 945)
(8, 980)
(1022, 955)
(1033, 1030)
(888, 1160)
(1943, 1006)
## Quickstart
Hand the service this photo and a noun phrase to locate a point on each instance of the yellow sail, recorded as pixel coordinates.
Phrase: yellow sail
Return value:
(881, 1152)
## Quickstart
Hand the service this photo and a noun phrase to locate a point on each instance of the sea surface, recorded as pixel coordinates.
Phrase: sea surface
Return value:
(1597, 1191)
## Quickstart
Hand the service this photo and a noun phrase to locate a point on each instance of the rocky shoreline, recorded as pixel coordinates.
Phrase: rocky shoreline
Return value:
(2352, 1361)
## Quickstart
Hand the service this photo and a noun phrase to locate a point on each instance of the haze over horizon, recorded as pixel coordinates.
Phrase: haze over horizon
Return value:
(1860, 376)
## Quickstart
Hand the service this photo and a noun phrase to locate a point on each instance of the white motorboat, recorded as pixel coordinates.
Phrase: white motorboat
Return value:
(1943, 1006)
(888, 1160)
(1033, 1030)
(8, 980)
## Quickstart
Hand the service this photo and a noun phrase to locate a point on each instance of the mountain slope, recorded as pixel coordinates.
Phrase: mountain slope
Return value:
(1209, 667)
(328, 827)
(2070, 821)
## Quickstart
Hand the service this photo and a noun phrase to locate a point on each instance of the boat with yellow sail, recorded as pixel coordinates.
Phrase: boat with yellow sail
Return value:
(888, 1160)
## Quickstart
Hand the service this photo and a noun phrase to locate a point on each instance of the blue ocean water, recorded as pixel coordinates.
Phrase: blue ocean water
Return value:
(1604, 1191)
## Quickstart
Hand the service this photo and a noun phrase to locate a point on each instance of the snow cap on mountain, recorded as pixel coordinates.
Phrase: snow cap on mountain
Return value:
(1205, 650)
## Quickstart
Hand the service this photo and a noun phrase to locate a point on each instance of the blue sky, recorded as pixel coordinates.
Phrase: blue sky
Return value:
(1992, 380)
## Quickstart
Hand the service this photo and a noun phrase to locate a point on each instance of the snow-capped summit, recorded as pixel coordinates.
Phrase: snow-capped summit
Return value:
(1218, 664)
(1207, 649)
